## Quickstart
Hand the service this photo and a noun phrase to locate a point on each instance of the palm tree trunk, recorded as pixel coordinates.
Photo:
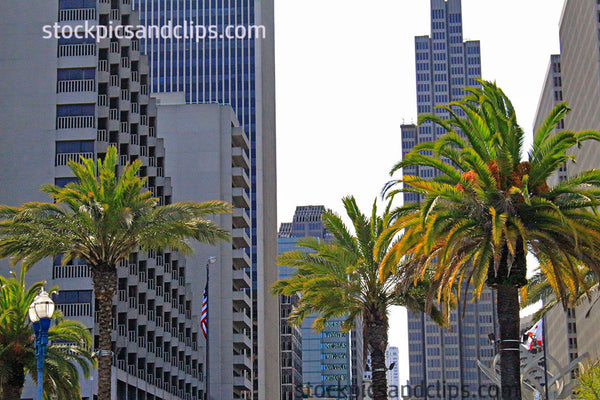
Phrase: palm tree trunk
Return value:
(105, 286)
(12, 383)
(377, 328)
(510, 361)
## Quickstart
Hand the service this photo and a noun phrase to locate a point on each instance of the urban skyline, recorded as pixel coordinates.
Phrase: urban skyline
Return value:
(283, 217)
(445, 64)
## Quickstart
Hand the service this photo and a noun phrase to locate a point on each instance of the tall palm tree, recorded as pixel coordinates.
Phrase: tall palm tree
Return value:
(102, 218)
(341, 278)
(486, 209)
(69, 342)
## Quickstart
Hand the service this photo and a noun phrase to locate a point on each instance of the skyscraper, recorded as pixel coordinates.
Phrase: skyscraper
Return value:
(574, 76)
(68, 97)
(331, 357)
(445, 64)
(241, 73)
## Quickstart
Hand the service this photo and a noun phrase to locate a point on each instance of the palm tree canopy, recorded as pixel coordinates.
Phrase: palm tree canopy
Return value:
(486, 208)
(341, 277)
(103, 218)
(69, 341)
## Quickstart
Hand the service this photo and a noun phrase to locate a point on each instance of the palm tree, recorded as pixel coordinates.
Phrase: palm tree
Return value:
(341, 278)
(69, 342)
(487, 208)
(102, 219)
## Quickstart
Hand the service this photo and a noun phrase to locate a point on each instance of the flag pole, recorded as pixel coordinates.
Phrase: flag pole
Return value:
(207, 353)
(544, 340)
(209, 260)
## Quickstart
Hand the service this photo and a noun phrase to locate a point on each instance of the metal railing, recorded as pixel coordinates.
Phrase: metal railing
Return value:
(76, 50)
(75, 309)
(103, 65)
(76, 122)
(80, 85)
(64, 158)
(77, 14)
(71, 271)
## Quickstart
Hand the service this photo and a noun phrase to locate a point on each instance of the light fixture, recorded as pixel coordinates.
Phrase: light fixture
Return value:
(42, 307)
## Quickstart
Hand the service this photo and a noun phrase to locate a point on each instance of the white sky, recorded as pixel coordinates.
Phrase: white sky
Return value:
(346, 81)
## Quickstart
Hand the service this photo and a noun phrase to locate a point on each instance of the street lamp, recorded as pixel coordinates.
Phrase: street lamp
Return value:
(40, 314)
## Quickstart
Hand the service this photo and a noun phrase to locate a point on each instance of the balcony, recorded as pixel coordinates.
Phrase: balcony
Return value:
(239, 138)
(241, 278)
(103, 65)
(240, 238)
(102, 100)
(71, 271)
(113, 114)
(76, 122)
(241, 360)
(114, 80)
(242, 339)
(76, 50)
(240, 296)
(240, 198)
(135, 108)
(64, 158)
(77, 14)
(240, 258)
(102, 135)
(241, 382)
(123, 159)
(125, 95)
(241, 319)
(115, 14)
(135, 75)
(240, 218)
(240, 177)
(75, 309)
(240, 158)
(83, 85)
(125, 62)
(124, 127)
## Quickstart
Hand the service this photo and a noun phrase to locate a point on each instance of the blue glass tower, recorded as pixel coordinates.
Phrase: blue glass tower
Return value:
(241, 73)
(445, 64)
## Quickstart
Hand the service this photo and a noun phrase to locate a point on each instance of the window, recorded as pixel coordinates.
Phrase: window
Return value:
(72, 110)
(62, 182)
(75, 146)
(74, 74)
(73, 296)
(74, 4)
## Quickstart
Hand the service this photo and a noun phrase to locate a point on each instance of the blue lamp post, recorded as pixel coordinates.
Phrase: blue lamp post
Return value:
(40, 314)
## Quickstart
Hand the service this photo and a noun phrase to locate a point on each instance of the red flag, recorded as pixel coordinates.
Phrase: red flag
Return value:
(204, 315)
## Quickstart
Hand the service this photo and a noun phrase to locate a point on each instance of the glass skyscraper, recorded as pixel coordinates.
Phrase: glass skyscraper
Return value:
(445, 64)
(241, 73)
(330, 357)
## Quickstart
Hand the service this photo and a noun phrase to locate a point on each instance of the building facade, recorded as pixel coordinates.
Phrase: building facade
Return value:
(445, 64)
(330, 357)
(290, 340)
(67, 97)
(208, 157)
(241, 73)
(552, 94)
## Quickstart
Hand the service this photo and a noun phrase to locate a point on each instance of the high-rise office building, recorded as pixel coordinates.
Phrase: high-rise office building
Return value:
(241, 73)
(208, 157)
(330, 357)
(290, 341)
(552, 94)
(445, 64)
(574, 76)
(67, 97)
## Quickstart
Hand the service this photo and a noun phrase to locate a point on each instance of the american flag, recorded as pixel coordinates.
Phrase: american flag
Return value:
(204, 315)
